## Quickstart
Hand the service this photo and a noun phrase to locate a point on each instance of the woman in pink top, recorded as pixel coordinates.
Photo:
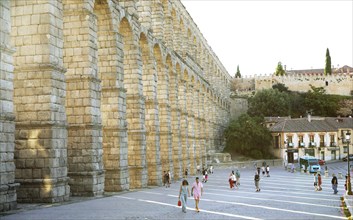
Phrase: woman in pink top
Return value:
(197, 190)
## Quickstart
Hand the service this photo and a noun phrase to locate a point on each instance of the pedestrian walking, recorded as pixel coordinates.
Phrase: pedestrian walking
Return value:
(206, 175)
(198, 169)
(237, 178)
(184, 193)
(231, 179)
(319, 182)
(258, 170)
(169, 178)
(211, 169)
(197, 191)
(186, 173)
(315, 182)
(257, 181)
(346, 183)
(164, 178)
(268, 171)
(334, 183)
(263, 170)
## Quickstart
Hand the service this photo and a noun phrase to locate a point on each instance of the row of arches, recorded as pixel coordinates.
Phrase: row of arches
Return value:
(98, 103)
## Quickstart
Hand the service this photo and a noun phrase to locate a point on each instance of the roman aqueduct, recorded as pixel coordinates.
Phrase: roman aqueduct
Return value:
(103, 95)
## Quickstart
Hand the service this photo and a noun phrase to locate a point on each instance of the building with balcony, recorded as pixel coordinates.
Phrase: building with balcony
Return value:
(321, 137)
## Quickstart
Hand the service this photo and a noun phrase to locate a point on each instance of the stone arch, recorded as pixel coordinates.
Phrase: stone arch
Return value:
(164, 110)
(149, 81)
(135, 101)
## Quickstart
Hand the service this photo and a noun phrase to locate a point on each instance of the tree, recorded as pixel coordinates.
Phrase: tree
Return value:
(247, 136)
(269, 102)
(238, 75)
(328, 70)
(281, 87)
(279, 70)
(321, 103)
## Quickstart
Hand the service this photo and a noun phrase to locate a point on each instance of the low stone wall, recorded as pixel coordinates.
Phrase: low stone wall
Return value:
(252, 163)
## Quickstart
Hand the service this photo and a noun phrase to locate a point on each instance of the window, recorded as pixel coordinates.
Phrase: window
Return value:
(322, 141)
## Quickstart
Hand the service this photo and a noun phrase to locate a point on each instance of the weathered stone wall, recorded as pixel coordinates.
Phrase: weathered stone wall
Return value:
(7, 118)
(338, 84)
(105, 96)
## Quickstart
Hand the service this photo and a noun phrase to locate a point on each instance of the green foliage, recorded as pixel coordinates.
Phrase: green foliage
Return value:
(279, 70)
(269, 102)
(247, 136)
(328, 70)
(321, 103)
(280, 87)
(238, 75)
(282, 102)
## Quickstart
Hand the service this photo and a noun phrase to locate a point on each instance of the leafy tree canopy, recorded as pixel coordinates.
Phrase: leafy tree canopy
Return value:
(279, 70)
(269, 102)
(247, 136)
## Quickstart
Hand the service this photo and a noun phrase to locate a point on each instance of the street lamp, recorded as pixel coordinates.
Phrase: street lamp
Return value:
(349, 187)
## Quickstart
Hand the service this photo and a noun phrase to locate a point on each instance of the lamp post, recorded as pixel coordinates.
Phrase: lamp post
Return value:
(349, 187)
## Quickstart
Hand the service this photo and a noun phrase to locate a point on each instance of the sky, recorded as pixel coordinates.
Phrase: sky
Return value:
(256, 35)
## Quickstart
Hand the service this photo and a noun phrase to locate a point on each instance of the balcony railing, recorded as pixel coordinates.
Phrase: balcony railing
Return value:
(333, 144)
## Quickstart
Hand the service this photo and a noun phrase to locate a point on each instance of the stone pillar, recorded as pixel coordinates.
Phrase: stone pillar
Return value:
(203, 126)
(85, 150)
(196, 108)
(113, 99)
(149, 78)
(176, 33)
(191, 127)
(168, 25)
(145, 14)
(135, 103)
(39, 97)
(8, 186)
(165, 118)
(175, 120)
(157, 19)
(184, 125)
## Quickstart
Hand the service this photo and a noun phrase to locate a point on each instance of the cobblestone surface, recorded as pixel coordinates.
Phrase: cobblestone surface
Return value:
(283, 195)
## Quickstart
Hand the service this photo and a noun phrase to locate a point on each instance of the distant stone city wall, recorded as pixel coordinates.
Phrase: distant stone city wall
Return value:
(338, 84)
(103, 95)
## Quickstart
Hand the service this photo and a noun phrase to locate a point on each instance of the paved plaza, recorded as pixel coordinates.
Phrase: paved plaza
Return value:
(283, 195)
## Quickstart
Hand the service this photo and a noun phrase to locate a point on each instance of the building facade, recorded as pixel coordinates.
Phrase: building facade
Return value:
(323, 138)
(103, 95)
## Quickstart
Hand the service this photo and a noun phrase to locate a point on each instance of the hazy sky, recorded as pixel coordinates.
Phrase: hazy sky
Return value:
(256, 35)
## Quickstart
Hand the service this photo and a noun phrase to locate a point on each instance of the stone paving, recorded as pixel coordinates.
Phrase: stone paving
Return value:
(283, 195)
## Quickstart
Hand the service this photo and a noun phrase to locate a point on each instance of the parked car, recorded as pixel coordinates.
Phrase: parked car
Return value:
(350, 158)
(322, 162)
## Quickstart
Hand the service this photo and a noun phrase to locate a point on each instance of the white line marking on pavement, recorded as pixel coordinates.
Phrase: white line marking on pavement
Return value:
(277, 209)
(202, 210)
